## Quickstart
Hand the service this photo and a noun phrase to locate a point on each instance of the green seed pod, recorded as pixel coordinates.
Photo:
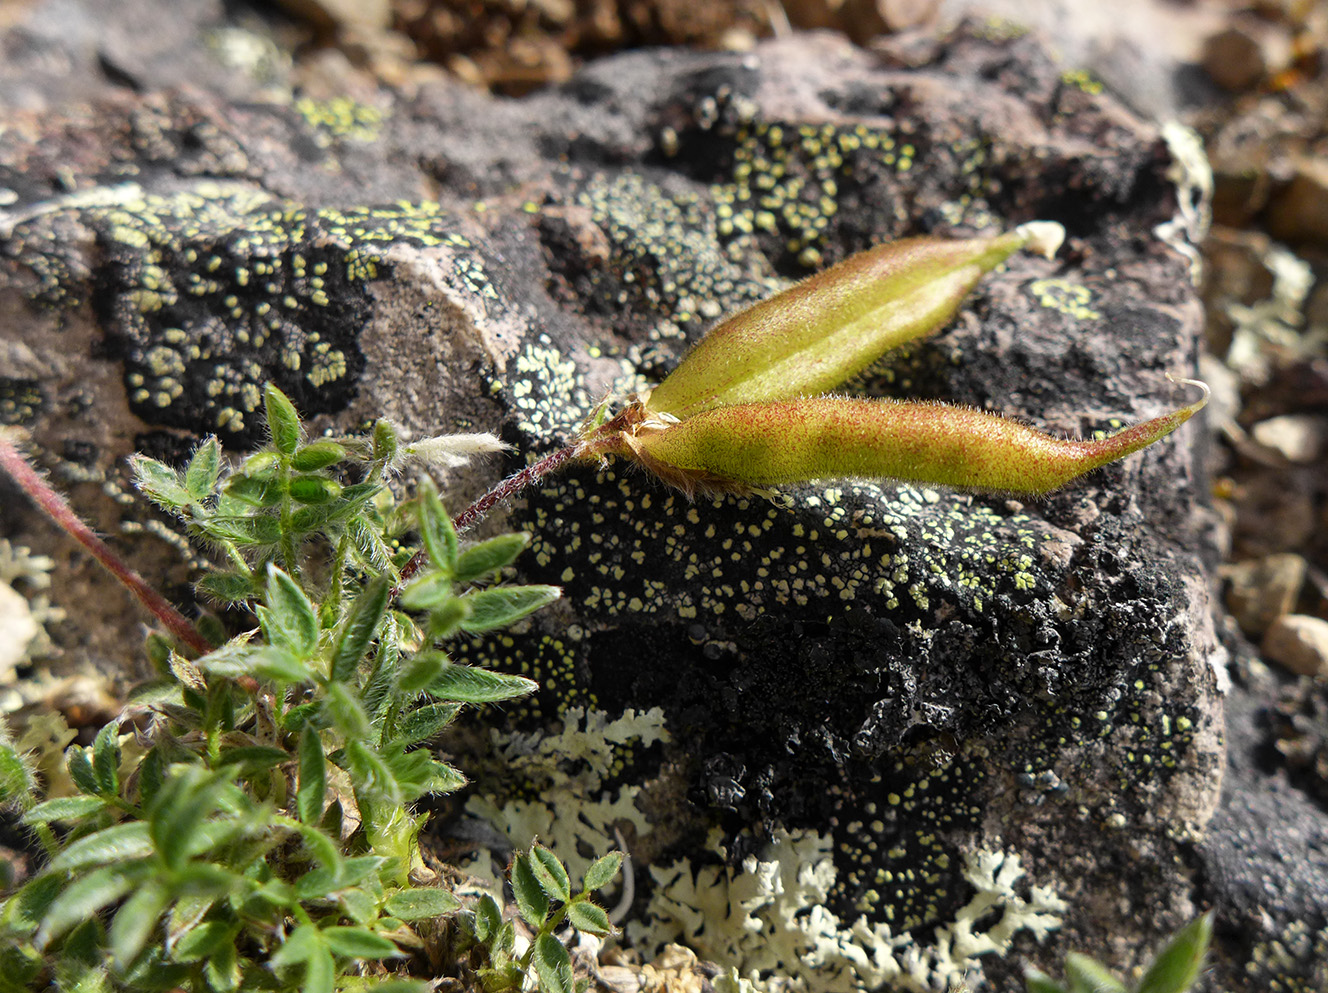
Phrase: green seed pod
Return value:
(761, 444)
(813, 336)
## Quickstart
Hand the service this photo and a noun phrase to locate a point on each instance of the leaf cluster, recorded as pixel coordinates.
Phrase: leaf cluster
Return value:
(1174, 970)
(247, 821)
(545, 902)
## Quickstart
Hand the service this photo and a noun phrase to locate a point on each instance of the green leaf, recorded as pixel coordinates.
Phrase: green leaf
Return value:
(23, 911)
(314, 489)
(370, 774)
(244, 531)
(65, 808)
(203, 941)
(489, 556)
(294, 620)
(320, 972)
(252, 759)
(359, 943)
(343, 875)
(808, 339)
(300, 945)
(82, 899)
(445, 620)
(590, 918)
(346, 713)
(106, 759)
(421, 671)
(384, 441)
(553, 965)
(1087, 975)
(488, 917)
(204, 468)
(248, 490)
(358, 630)
(550, 873)
(226, 587)
(1040, 982)
(433, 589)
(222, 970)
(424, 722)
(119, 843)
(283, 423)
(188, 796)
(421, 904)
(313, 776)
(15, 781)
(80, 769)
(135, 921)
(503, 605)
(275, 665)
(1178, 965)
(602, 871)
(436, 531)
(160, 482)
(317, 455)
(531, 901)
(471, 684)
(360, 905)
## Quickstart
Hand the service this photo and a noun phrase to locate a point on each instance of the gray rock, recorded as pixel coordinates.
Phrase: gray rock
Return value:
(978, 720)
(1299, 644)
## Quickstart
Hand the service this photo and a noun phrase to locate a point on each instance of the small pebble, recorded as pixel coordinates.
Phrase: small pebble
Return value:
(1262, 590)
(1297, 437)
(1299, 644)
(1300, 211)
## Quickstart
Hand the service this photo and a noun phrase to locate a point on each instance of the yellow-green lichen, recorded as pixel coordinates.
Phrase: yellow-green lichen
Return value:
(341, 117)
(211, 291)
(1066, 296)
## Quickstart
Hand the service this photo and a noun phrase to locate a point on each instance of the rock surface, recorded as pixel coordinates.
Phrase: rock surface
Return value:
(994, 730)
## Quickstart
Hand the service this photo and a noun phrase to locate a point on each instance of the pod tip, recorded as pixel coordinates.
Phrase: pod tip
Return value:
(1043, 237)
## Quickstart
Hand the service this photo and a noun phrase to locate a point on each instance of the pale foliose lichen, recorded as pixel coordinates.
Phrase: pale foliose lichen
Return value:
(566, 772)
(769, 924)
(28, 576)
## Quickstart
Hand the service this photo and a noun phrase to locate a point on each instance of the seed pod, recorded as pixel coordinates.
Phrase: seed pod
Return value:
(760, 444)
(811, 337)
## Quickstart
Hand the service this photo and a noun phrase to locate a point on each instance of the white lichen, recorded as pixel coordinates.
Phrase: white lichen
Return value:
(770, 923)
(574, 814)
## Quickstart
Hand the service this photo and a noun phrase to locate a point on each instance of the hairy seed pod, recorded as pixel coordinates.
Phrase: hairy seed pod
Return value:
(814, 335)
(761, 444)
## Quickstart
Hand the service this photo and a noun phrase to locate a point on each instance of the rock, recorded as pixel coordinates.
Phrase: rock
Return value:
(1262, 590)
(936, 700)
(865, 19)
(1296, 437)
(1298, 644)
(1241, 56)
(1299, 211)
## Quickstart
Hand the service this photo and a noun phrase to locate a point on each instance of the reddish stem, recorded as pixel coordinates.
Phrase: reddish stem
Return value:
(31, 482)
(509, 487)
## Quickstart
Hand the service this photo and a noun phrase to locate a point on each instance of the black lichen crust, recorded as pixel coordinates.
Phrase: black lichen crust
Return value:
(207, 294)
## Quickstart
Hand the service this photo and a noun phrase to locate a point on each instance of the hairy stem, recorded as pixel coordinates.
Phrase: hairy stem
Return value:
(506, 489)
(31, 482)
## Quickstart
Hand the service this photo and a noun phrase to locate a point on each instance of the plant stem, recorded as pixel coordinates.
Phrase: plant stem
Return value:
(31, 482)
(509, 487)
